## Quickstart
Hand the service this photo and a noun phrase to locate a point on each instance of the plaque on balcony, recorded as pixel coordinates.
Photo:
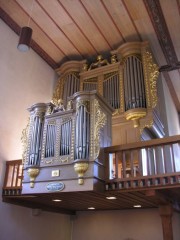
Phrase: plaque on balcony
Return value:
(55, 186)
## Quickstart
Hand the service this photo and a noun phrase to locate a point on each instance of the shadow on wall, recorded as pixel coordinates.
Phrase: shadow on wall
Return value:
(130, 239)
(2, 174)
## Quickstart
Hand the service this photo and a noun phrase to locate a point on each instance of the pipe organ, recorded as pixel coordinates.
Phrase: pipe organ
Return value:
(127, 82)
(64, 145)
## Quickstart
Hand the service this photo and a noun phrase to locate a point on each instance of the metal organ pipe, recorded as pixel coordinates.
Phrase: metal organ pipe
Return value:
(36, 124)
(71, 86)
(111, 91)
(50, 140)
(65, 139)
(87, 86)
(82, 133)
(134, 88)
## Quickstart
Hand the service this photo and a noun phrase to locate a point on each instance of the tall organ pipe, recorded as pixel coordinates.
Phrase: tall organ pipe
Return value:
(65, 139)
(71, 86)
(111, 91)
(37, 112)
(50, 141)
(82, 133)
(134, 87)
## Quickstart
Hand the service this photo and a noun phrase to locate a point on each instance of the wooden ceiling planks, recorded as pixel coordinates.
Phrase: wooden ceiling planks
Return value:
(103, 22)
(121, 19)
(85, 23)
(49, 27)
(68, 27)
(145, 28)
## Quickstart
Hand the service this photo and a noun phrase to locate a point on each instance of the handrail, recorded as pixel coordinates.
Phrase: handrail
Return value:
(149, 143)
(149, 159)
(13, 177)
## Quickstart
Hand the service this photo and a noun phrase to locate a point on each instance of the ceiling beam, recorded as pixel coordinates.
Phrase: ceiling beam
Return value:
(158, 21)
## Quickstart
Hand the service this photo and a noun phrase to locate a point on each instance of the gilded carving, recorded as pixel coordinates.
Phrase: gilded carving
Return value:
(47, 161)
(115, 113)
(24, 141)
(58, 91)
(33, 173)
(121, 89)
(100, 62)
(153, 75)
(135, 115)
(64, 159)
(72, 138)
(85, 67)
(148, 124)
(100, 121)
(85, 103)
(80, 168)
(114, 59)
(110, 74)
(58, 106)
(69, 105)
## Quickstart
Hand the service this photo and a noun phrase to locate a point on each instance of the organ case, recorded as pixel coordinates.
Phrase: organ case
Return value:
(65, 145)
(127, 82)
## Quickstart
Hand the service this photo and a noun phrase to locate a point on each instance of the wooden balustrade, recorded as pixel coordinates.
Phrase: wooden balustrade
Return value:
(151, 163)
(13, 178)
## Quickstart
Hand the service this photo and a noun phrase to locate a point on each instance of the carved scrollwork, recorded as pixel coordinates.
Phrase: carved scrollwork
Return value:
(148, 124)
(100, 62)
(153, 75)
(58, 92)
(100, 121)
(24, 141)
(85, 103)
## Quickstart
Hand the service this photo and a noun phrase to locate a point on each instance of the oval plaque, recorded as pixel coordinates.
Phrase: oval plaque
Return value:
(55, 186)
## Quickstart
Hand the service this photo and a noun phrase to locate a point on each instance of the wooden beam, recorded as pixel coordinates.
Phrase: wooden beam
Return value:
(166, 212)
(160, 197)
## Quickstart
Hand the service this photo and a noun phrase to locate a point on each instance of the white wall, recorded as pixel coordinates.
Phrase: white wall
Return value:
(143, 224)
(168, 110)
(24, 79)
(118, 225)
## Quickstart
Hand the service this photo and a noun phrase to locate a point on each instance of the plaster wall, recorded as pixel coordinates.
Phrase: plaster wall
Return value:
(168, 109)
(118, 225)
(25, 79)
(122, 225)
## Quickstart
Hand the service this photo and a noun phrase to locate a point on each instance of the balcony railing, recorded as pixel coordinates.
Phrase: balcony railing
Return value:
(154, 163)
(13, 178)
(149, 164)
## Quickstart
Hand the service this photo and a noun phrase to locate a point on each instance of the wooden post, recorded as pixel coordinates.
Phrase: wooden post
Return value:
(166, 212)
